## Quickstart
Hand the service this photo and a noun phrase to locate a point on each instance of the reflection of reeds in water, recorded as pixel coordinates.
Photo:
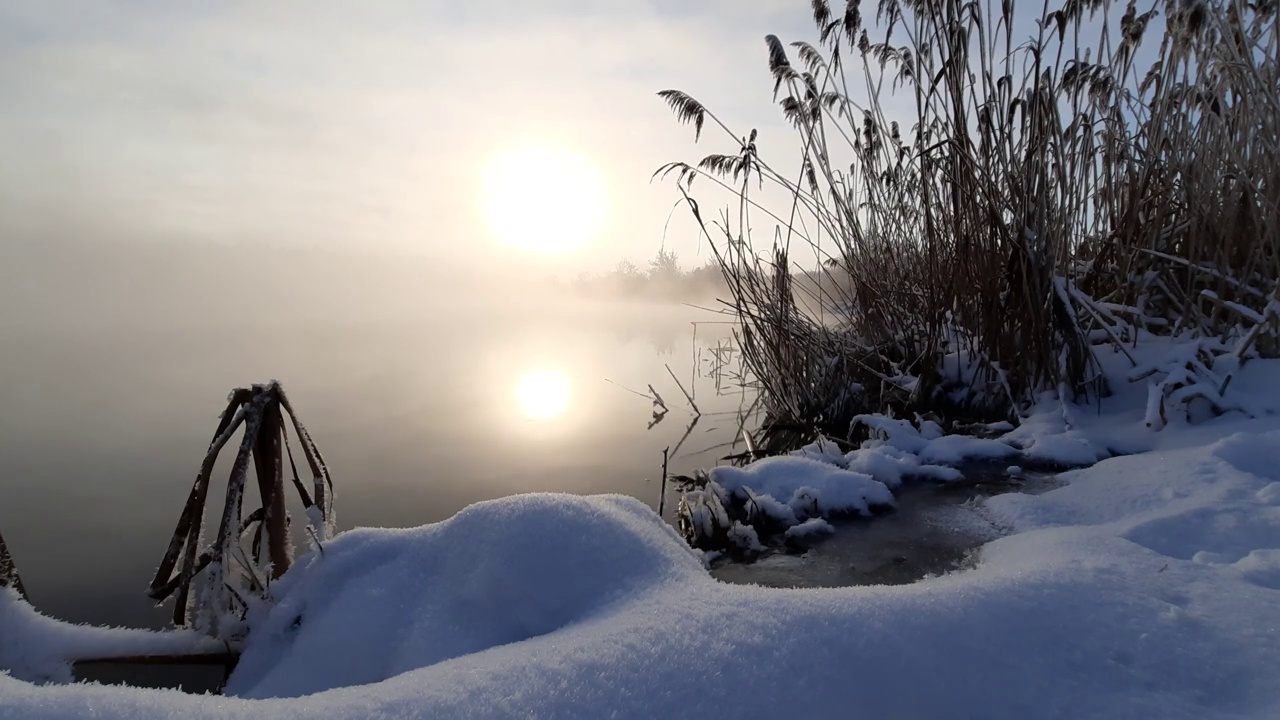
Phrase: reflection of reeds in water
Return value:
(1036, 197)
(230, 579)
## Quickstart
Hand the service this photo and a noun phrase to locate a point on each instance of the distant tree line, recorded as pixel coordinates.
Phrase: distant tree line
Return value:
(664, 279)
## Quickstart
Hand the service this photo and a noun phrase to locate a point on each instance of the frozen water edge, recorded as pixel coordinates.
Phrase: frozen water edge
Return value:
(933, 529)
(1149, 585)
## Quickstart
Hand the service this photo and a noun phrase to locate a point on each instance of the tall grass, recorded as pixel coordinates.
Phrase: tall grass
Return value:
(987, 207)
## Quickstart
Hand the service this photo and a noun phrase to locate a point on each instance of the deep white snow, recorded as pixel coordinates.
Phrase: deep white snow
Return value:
(1148, 586)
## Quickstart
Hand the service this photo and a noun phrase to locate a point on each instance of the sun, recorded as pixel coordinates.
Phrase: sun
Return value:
(544, 198)
(543, 394)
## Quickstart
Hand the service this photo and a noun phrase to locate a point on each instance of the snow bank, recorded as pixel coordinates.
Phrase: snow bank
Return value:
(891, 465)
(795, 478)
(928, 443)
(883, 462)
(820, 478)
(771, 495)
(379, 603)
(569, 607)
(1147, 586)
(1048, 436)
(899, 449)
(824, 451)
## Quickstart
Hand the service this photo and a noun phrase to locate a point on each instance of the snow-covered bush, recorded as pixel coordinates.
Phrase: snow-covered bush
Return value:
(769, 497)
(702, 518)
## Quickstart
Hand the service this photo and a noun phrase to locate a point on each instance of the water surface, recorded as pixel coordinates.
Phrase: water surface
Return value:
(419, 413)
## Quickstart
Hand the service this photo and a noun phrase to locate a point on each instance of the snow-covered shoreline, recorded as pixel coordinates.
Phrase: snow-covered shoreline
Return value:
(1147, 586)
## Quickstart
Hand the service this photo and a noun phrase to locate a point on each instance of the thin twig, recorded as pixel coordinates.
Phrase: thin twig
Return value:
(687, 396)
(662, 494)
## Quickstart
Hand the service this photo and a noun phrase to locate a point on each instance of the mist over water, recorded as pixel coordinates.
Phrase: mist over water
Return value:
(426, 389)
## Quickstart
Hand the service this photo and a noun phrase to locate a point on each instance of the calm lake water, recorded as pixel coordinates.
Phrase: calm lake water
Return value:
(103, 424)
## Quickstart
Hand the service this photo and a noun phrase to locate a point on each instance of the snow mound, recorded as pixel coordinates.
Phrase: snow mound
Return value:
(1216, 534)
(956, 449)
(1049, 436)
(835, 489)
(813, 527)
(891, 466)
(1205, 507)
(928, 443)
(823, 450)
(1235, 526)
(567, 607)
(1253, 453)
(379, 603)
(1064, 449)
(779, 512)
(1270, 494)
(745, 537)
(1261, 568)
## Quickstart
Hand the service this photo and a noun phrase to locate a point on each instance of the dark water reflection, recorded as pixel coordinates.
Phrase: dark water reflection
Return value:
(934, 529)
(102, 426)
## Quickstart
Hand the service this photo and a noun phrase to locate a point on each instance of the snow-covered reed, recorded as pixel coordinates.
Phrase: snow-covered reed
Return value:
(219, 584)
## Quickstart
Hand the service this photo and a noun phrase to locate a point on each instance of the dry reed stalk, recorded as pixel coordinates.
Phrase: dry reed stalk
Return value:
(260, 410)
(662, 493)
(1027, 177)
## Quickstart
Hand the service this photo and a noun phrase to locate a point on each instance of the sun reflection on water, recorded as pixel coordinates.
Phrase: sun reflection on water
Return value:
(543, 394)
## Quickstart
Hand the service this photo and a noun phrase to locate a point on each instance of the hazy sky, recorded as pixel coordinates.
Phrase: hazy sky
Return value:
(358, 124)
